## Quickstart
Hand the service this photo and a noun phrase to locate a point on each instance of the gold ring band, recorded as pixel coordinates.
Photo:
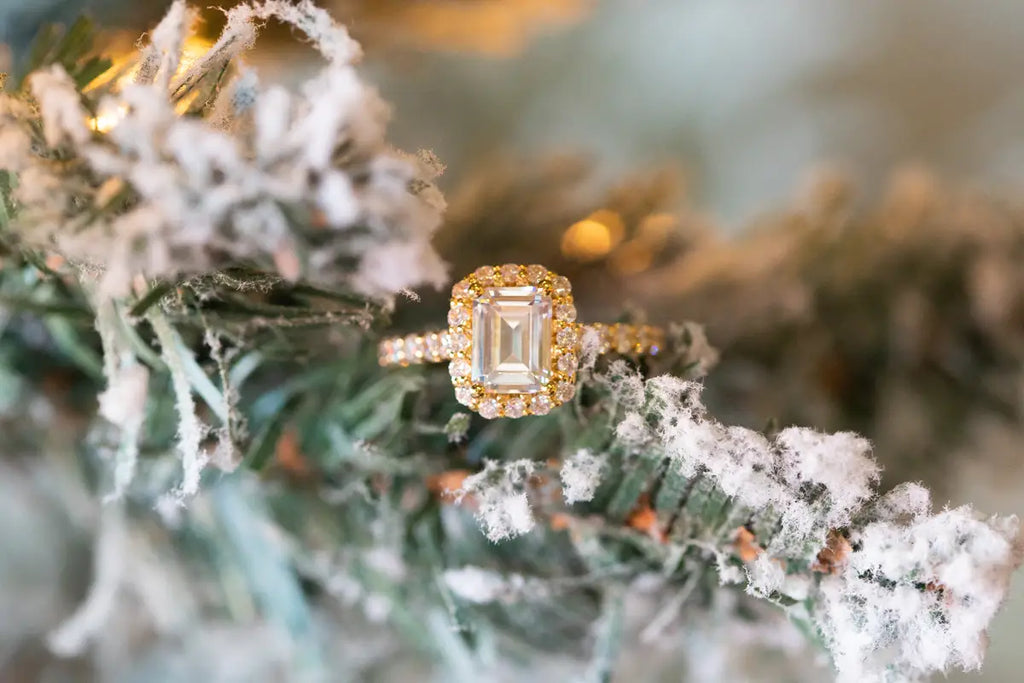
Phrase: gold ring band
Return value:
(513, 341)
(435, 347)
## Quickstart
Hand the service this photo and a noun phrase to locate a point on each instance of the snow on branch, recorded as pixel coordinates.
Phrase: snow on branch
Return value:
(193, 167)
(896, 591)
(498, 493)
(581, 475)
(478, 585)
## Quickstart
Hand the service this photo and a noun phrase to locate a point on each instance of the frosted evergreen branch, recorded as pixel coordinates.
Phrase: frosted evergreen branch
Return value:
(301, 184)
(498, 493)
(893, 591)
(191, 429)
(945, 573)
(270, 210)
(123, 402)
(109, 566)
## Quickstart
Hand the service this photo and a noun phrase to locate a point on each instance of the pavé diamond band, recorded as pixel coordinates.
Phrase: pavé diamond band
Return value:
(513, 341)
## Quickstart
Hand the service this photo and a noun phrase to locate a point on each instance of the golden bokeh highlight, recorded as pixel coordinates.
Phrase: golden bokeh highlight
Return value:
(635, 256)
(494, 27)
(656, 228)
(593, 237)
(105, 121)
(123, 71)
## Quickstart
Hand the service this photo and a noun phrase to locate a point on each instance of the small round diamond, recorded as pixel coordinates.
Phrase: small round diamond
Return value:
(434, 347)
(459, 341)
(490, 408)
(561, 286)
(564, 391)
(535, 273)
(484, 275)
(515, 407)
(566, 312)
(510, 273)
(566, 336)
(398, 351)
(567, 363)
(464, 395)
(461, 289)
(459, 368)
(458, 315)
(415, 346)
(540, 404)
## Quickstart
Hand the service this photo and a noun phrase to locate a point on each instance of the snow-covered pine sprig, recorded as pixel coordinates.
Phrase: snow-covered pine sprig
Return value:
(169, 169)
(164, 172)
(892, 589)
(196, 208)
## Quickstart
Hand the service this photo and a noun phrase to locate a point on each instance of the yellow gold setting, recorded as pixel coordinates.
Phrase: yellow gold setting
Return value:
(559, 382)
(524, 358)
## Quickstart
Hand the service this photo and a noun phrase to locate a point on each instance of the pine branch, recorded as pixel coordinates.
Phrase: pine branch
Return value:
(238, 242)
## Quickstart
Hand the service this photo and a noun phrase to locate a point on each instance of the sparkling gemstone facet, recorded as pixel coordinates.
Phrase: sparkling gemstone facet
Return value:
(510, 273)
(458, 368)
(484, 275)
(516, 407)
(567, 336)
(561, 285)
(567, 363)
(459, 341)
(540, 404)
(512, 339)
(490, 408)
(565, 312)
(434, 347)
(458, 315)
(464, 395)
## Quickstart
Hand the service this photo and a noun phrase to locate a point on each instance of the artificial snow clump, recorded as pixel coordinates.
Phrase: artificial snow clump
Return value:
(475, 584)
(841, 463)
(457, 427)
(764, 575)
(499, 494)
(581, 475)
(212, 170)
(814, 481)
(896, 591)
(60, 105)
(916, 598)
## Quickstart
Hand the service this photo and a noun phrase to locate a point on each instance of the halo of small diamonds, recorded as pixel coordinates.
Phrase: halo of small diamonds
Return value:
(565, 339)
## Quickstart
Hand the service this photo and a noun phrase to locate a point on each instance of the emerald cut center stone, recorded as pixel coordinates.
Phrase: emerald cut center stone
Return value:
(512, 339)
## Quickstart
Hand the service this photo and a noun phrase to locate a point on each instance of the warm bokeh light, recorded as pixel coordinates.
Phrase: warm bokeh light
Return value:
(637, 254)
(593, 237)
(634, 256)
(496, 27)
(105, 121)
(123, 71)
(656, 228)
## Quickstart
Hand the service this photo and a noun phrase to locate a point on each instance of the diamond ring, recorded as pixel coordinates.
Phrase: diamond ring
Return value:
(513, 341)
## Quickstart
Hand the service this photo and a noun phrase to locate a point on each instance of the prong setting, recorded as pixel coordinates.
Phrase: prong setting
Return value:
(554, 383)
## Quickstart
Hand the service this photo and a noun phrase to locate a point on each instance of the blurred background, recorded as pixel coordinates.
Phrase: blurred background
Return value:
(832, 188)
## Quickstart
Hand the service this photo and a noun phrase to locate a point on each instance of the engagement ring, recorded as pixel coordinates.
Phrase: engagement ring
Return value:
(513, 341)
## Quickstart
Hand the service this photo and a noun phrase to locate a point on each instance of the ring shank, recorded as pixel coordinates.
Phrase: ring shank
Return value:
(414, 349)
(435, 347)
